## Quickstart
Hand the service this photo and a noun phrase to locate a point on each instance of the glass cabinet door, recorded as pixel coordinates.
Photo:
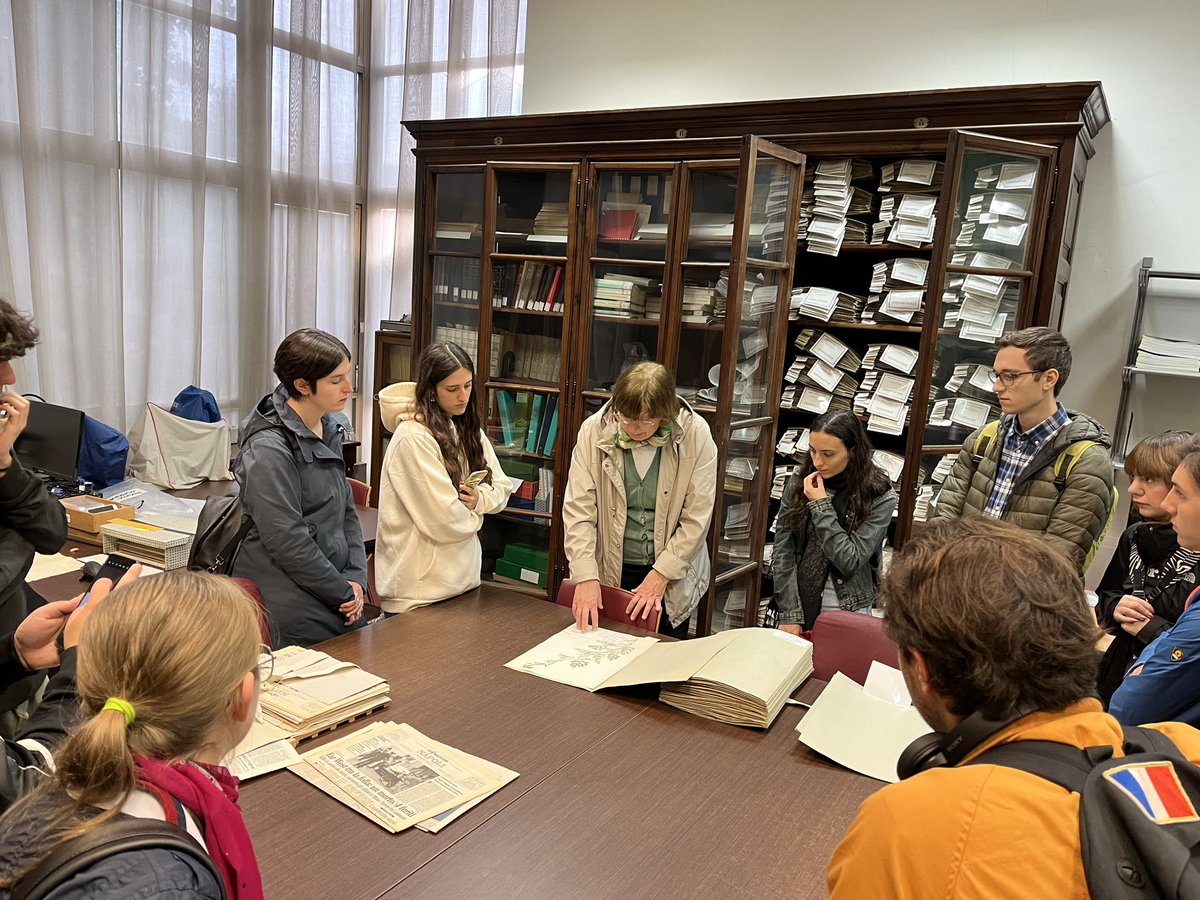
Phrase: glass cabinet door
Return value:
(455, 263)
(759, 280)
(628, 252)
(994, 209)
(530, 238)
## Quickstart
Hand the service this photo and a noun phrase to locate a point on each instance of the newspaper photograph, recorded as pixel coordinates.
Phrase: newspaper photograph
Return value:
(399, 775)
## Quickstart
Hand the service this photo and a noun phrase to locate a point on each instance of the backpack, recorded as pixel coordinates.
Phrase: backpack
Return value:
(1063, 464)
(196, 404)
(220, 530)
(119, 835)
(1138, 821)
(103, 454)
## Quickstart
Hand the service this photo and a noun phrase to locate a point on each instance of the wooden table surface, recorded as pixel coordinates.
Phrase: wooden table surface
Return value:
(618, 795)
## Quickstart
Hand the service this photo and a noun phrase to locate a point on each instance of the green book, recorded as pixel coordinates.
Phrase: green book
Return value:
(508, 415)
(529, 557)
(535, 423)
(520, 421)
(520, 573)
(551, 434)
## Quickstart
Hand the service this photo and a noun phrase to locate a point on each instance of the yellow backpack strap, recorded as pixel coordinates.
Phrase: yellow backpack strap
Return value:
(983, 442)
(1065, 461)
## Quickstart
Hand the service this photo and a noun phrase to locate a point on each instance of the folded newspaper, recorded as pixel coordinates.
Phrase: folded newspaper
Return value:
(742, 677)
(309, 692)
(397, 777)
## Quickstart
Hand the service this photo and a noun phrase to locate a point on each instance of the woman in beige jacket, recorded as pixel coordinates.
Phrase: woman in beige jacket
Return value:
(427, 544)
(639, 500)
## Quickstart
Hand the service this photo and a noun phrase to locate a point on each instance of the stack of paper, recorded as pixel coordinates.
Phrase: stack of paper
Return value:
(551, 220)
(901, 219)
(892, 463)
(311, 691)
(813, 400)
(998, 214)
(825, 304)
(697, 304)
(828, 348)
(926, 500)
(970, 414)
(897, 292)
(1166, 355)
(979, 306)
(911, 176)
(833, 198)
(735, 538)
(885, 399)
(775, 211)
(779, 482)
(620, 295)
(793, 443)
(814, 372)
(972, 380)
(397, 777)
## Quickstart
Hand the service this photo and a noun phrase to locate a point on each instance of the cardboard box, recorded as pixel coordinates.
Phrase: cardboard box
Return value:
(87, 513)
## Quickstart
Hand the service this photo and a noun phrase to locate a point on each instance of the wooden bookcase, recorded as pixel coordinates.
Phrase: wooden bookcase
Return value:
(393, 362)
(531, 229)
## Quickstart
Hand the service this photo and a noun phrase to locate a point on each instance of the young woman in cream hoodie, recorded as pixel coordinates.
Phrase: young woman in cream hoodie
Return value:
(427, 545)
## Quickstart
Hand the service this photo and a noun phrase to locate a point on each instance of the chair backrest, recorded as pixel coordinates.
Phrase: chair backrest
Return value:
(361, 491)
(848, 642)
(614, 602)
(251, 589)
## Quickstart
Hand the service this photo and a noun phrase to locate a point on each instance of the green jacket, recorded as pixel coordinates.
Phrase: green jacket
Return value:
(1070, 519)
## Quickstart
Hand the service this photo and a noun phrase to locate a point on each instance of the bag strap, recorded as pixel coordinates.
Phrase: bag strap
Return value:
(1065, 462)
(120, 835)
(983, 441)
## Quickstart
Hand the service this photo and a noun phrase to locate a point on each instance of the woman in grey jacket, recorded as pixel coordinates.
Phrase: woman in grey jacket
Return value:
(831, 526)
(305, 549)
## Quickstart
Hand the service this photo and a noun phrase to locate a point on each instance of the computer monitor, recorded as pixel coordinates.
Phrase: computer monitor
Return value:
(50, 441)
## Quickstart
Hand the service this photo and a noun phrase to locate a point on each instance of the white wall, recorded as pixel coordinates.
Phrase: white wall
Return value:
(1142, 186)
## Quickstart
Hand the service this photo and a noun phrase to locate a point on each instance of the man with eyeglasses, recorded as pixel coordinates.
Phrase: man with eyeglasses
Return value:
(1047, 468)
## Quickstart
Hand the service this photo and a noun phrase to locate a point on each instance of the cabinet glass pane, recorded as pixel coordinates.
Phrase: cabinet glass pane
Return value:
(459, 203)
(516, 551)
(729, 608)
(626, 312)
(772, 192)
(532, 211)
(455, 288)
(632, 215)
(523, 427)
(736, 504)
(710, 228)
(977, 310)
(993, 208)
(932, 475)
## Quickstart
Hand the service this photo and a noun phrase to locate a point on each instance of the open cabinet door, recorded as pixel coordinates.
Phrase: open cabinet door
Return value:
(991, 225)
(763, 254)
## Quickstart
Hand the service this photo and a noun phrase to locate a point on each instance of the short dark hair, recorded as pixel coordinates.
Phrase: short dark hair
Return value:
(1191, 465)
(1000, 618)
(17, 333)
(308, 354)
(1159, 455)
(1044, 349)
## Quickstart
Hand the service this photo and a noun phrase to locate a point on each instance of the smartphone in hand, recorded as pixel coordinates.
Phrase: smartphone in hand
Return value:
(113, 569)
(476, 478)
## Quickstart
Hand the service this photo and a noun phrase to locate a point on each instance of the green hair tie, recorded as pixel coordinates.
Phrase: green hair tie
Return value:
(124, 707)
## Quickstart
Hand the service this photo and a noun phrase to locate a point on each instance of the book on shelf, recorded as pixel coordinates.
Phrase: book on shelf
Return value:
(1168, 355)
(397, 777)
(740, 677)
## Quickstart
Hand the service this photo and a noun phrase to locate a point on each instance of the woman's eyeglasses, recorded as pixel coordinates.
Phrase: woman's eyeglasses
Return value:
(266, 664)
(636, 423)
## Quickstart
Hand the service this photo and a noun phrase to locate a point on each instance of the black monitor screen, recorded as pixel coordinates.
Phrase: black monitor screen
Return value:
(50, 441)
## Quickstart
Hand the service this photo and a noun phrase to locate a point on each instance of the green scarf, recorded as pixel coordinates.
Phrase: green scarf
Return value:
(660, 437)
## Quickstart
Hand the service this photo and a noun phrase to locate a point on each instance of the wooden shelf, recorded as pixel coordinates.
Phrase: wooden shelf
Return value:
(543, 518)
(856, 247)
(857, 326)
(622, 320)
(520, 454)
(512, 310)
(523, 384)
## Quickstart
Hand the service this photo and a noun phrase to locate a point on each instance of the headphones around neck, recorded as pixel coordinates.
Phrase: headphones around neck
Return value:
(936, 749)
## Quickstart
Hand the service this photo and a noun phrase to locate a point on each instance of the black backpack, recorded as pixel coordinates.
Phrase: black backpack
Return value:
(1139, 829)
(220, 530)
(119, 835)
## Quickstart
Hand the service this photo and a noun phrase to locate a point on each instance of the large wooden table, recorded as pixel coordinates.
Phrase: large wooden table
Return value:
(619, 795)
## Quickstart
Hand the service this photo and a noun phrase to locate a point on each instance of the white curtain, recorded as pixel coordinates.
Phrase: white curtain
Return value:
(183, 181)
(430, 59)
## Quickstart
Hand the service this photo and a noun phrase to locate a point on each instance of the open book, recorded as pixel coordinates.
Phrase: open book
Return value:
(742, 677)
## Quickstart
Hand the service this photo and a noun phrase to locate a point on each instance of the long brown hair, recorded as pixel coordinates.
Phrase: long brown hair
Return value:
(865, 480)
(176, 647)
(457, 436)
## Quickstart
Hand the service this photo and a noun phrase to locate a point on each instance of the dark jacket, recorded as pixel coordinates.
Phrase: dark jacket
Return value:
(136, 873)
(1167, 686)
(24, 767)
(1167, 591)
(1069, 520)
(305, 545)
(31, 520)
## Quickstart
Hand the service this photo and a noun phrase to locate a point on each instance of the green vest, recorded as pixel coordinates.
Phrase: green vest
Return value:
(639, 511)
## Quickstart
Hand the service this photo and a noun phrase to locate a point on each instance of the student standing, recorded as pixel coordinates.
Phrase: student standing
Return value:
(168, 677)
(831, 525)
(427, 546)
(1012, 476)
(639, 500)
(1150, 576)
(305, 548)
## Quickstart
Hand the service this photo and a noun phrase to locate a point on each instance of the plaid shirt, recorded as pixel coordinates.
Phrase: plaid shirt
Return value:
(1018, 451)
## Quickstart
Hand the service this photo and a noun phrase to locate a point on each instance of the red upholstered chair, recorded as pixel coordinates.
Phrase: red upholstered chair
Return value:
(847, 642)
(255, 594)
(615, 601)
(361, 492)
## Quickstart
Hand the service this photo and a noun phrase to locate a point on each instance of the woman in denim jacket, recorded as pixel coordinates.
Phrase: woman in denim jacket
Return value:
(831, 526)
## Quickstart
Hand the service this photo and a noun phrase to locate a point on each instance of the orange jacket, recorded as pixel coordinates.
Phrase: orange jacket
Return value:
(980, 831)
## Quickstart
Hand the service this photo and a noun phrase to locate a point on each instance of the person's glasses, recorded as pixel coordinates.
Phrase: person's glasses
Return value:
(1010, 378)
(637, 423)
(266, 664)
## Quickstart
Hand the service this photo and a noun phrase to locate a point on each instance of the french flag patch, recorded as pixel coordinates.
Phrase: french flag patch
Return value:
(1155, 788)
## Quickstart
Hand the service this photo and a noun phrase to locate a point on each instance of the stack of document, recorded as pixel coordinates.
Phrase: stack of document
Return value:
(735, 538)
(979, 306)
(697, 304)
(551, 220)
(813, 400)
(620, 295)
(779, 482)
(742, 677)
(807, 200)
(760, 302)
(885, 399)
(828, 348)
(397, 777)
(311, 691)
(911, 176)
(833, 198)
(897, 292)
(825, 304)
(892, 463)
(817, 373)
(971, 414)
(998, 214)
(775, 211)
(1170, 356)
(972, 380)
(793, 443)
(926, 500)
(890, 357)
(912, 223)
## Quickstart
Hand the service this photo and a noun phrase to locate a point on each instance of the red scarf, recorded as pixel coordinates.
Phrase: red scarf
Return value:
(215, 806)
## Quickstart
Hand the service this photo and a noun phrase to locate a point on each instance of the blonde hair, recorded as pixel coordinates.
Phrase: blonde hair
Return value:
(646, 390)
(176, 647)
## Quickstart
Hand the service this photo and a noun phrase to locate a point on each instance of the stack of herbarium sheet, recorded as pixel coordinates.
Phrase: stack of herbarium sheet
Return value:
(398, 777)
